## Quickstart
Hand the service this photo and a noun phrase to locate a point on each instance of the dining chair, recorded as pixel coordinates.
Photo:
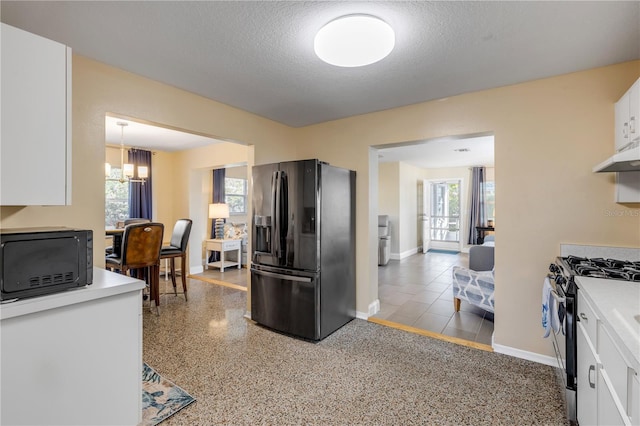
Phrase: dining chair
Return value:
(141, 243)
(178, 248)
(117, 239)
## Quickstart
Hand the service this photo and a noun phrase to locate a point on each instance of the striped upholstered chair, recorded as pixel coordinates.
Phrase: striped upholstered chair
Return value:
(476, 283)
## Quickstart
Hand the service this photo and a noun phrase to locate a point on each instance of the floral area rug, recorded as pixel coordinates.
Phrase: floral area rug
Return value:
(160, 397)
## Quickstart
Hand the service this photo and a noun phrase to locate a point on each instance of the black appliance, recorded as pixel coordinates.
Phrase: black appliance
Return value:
(303, 260)
(563, 273)
(39, 261)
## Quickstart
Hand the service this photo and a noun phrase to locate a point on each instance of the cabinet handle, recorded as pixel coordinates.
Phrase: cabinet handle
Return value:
(625, 130)
(632, 125)
(583, 316)
(592, 384)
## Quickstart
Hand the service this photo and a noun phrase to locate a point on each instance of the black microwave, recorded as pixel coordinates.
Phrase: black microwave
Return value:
(39, 261)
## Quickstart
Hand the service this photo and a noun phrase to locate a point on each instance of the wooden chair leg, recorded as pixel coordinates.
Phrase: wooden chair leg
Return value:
(173, 275)
(154, 284)
(183, 273)
(456, 304)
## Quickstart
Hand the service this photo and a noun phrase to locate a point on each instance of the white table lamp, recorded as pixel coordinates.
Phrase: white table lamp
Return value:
(219, 212)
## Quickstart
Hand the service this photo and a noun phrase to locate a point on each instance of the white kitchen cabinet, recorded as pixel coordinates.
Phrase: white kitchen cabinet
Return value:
(627, 116)
(35, 121)
(587, 376)
(634, 112)
(75, 357)
(614, 382)
(622, 121)
(634, 398)
(587, 363)
(607, 354)
(609, 409)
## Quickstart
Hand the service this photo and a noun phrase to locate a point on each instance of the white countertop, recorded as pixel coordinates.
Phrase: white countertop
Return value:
(105, 284)
(617, 303)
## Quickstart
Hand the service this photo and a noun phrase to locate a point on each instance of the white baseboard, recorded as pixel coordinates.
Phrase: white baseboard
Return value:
(529, 356)
(196, 269)
(374, 308)
(404, 254)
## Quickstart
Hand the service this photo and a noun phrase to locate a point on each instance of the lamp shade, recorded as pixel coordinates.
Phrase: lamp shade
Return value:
(143, 172)
(354, 41)
(218, 211)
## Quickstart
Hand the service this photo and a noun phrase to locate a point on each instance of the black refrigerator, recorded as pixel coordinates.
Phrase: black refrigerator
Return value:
(303, 243)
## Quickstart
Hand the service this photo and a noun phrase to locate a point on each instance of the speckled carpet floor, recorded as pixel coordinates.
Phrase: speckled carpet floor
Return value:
(363, 374)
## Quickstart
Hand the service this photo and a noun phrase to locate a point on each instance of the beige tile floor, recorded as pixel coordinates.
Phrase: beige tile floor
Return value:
(416, 292)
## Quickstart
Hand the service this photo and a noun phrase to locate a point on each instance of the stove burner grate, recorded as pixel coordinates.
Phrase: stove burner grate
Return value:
(604, 268)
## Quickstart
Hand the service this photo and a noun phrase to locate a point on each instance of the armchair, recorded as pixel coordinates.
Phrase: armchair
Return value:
(476, 284)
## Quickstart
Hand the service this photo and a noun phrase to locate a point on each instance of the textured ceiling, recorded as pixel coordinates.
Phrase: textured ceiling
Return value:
(258, 56)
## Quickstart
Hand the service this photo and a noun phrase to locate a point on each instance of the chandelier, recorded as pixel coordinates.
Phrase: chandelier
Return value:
(126, 169)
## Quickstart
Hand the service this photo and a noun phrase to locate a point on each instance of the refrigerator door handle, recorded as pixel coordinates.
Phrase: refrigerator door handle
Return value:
(275, 195)
(282, 276)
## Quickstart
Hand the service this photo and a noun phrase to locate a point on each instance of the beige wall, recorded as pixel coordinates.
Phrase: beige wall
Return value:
(389, 199)
(98, 90)
(548, 135)
(192, 180)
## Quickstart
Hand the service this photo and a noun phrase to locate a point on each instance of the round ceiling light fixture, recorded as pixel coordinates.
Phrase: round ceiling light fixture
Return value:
(354, 41)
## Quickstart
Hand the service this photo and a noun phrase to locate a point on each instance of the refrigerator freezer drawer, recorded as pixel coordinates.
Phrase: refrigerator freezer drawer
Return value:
(286, 303)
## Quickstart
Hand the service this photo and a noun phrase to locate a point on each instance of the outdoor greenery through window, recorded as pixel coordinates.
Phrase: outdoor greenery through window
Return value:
(116, 203)
(445, 211)
(235, 195)
(489, 199)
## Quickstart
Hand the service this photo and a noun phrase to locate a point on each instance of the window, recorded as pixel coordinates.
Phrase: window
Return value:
(235, 195)
(445, 211)
(116, 202)
(489, 199)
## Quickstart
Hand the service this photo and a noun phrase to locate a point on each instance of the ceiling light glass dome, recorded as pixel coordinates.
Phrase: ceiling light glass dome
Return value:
(354, 41)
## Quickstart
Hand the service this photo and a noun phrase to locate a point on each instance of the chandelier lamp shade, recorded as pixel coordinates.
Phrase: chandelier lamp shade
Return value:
(219, 212)
(126, 169)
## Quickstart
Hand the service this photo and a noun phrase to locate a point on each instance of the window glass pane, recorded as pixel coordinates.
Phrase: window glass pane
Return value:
(445, 211)
(116, 206)
(489, 199)
(236, 195)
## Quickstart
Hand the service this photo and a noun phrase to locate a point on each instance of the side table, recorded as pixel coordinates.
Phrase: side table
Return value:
(222, 246)
(481, 232)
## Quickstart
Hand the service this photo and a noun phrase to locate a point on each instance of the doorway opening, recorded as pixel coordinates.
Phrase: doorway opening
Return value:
(442, 215)
(431, 233)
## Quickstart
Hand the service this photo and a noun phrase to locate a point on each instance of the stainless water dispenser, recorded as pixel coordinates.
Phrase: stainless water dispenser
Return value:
(262, 232)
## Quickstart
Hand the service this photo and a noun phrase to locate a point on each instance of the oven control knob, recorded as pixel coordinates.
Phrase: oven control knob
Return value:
(554, 268)
(560, 279)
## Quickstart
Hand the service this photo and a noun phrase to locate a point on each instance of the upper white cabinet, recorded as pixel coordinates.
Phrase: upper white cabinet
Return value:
(35, 122)
(627, 113)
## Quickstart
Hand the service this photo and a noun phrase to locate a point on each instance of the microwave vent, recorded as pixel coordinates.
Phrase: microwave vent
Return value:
(46, 280)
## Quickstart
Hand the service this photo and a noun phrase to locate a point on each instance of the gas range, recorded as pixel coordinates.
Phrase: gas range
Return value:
(577, 261)
(613, 269)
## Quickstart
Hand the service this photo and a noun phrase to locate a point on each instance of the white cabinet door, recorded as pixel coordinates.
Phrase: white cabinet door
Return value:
(610, 411)
(622, 122)
(634, 399)
(35, 142)
(634, 112)
(587, 376)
